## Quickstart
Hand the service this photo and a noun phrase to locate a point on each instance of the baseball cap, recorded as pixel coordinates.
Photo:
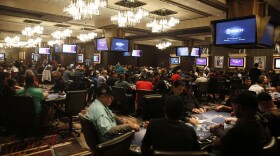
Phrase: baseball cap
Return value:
(264, 96)
(247, 99)
(104, 90)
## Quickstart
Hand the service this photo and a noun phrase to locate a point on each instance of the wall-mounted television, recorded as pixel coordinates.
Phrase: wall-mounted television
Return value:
(276, 63)
(236, 31)
(44, 50)
(69, 48)
(56, 48)
(195, 52)
(127, 53)
(80, 58)
(136, 53)
(2, 56)
(101, 44)
(201, 61)
(236, 62)
(267, 38)
(174, 60)
(119, 44)
(182, 51)
(96, 58)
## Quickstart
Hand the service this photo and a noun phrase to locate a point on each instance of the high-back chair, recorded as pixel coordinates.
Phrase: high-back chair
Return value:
(202, 89)
(180, 153)
(153, 106)
(140, 95)
(119, 98)
(271, 148)
(74, 103)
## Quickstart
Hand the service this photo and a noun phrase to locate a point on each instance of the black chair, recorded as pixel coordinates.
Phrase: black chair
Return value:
(75, 85)
(180, 153)
(118, 146)
(153, 106)
(202, 90)
(236, 83)
(119, 98)
(91, 94)
(271, 148)
(74, 103)
(140, 95)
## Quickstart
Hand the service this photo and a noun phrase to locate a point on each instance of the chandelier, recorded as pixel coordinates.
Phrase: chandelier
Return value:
(87, 37)
(162, 24)
(30, 31)
(33, 42)
(129, 17)
(82, 9)
(11, 41)
(163, 45)
(60, 35)
(52, 42)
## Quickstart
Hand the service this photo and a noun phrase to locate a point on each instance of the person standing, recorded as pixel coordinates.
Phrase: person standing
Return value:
(255, 73)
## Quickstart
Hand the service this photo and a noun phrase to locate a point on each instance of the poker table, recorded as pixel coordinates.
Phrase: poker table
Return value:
(55, 97)
(203, 130)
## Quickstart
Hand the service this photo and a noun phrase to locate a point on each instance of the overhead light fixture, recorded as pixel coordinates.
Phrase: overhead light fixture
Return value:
(31, 31)
(53, 42)
(162, 24)
(163, 45)
(11, 41)
(87, 37)
(83, 9)
(61, 35)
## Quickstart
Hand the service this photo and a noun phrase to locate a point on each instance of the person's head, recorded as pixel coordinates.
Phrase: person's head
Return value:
(29, 81)
(260, 82)
(11, 82)
(104, 73)
(122, 77)
(115, 74)
(263, 78)
(173, 107)
(246, 103)
(265, 102)
(188, 87)
(200, 74)
(29, 72)
(234, 91)
(178, 87)
(248, 81)
(104, 94)
(256, 65)
(56, 75)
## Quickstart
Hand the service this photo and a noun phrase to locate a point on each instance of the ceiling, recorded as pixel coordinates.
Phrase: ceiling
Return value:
(194, 15)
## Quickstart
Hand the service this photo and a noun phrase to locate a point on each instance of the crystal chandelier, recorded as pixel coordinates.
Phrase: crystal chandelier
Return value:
(87, 37)
(82, 9)
(129, 17)
(33, 42)
(163, 45)
(162, 24)
(60, 35)
(30, 31)
(52, 42)
(11, 41)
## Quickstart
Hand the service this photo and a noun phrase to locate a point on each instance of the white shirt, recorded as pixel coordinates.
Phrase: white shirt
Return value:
(256, 88)
(201, 79)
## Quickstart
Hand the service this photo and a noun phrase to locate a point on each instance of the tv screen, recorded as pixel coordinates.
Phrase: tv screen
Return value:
(182, 51)
(276, 63)
(56, 48)
(101, 44)
(69, 48)
(235, 32)
(236, 62)
(267, 38)
(80, 58)
(174, 60)
(119, 44)
(96, 58)
(44, 50)
(2, 56)
(126, 53)
(201, 61)
(136, 53)
(195, 52)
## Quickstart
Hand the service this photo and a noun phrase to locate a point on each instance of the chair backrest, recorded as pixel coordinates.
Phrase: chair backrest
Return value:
(236, 82)
(22, 108)
(91, 91)
(118, 146)
(118, 94)
(141, 94)
(90, 132)
(203, 87)
(180, 153)
(153, 106)
(75, 101)
(271, 148)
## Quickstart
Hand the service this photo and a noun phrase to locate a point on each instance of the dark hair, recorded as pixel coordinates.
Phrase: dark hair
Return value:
(122, 77)
(256, 65)
(11, 82)
(178, 83)
(173, 107)
(264, 96)
(259, 80)
(29, 81)
(247, 99)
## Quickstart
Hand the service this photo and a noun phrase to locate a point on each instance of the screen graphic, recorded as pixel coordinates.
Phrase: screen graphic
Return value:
(44, 50)
(236, 62)
(102, 44)
(67, 48)
(136, 53)
(195, 52)
(201, 61)
(182, 51)
(119, 44)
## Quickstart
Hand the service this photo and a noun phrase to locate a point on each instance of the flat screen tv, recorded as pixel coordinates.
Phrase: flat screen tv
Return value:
(80, 58)
(2, 56)
(96, 58)
(174, 60)
(195, 52)
(236, 62)
(56, 48)
(119, 44)
(201, 61)
(101, 44)
(136, 53)
(127, 53)
(267, 38)
(182, 51)
(235, 31)
(44, 50)
(69, 48)
(276, 63)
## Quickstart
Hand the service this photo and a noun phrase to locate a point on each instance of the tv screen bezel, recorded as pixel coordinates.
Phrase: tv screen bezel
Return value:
(99, 58)
(134, 55)
(214, 24)
(97, 44)
(121, 39)
(200, 58)
(4, 57)
(244, 62)
(69, 52)
(199, 51)
(82, 58)
(274, 63)
(179, 62)
(44, 53)
(130, 53)
(182, 47)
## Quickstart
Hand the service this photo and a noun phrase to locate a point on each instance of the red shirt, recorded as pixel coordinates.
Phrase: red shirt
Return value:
(175, 77)
(144, 85)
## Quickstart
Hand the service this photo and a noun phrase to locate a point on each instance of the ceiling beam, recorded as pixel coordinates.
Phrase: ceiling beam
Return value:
(215, 4)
